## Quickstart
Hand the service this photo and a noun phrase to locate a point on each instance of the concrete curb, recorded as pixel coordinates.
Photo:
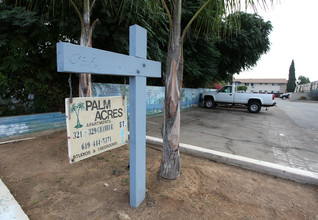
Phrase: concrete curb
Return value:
(290, 173)
(9, 207)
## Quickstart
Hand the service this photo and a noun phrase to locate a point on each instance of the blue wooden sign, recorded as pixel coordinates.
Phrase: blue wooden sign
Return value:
(78, 59)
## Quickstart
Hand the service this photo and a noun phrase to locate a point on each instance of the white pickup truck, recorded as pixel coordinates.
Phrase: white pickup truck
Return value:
(228, 95)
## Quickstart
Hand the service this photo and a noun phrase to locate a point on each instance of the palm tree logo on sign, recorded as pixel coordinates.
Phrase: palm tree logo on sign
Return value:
(77, 108)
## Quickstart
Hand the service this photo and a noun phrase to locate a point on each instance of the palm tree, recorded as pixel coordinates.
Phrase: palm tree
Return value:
(76, 108)
(85, 40)
(170, 167)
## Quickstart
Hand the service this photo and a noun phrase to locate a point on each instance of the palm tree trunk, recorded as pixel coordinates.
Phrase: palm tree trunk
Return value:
(170, 167)
(85, 79)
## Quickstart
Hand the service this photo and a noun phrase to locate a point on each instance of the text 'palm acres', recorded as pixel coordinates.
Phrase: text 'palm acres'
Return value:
(103, 109)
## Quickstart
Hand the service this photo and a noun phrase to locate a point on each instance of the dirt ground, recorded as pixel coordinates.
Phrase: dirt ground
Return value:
(39, 176)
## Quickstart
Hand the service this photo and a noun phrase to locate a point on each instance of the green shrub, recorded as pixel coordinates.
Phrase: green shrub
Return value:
(242, 88)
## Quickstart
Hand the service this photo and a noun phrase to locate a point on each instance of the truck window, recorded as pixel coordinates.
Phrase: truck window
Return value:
(227, 89)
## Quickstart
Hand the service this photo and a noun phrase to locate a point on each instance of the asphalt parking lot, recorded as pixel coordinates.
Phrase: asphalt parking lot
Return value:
(272, 136)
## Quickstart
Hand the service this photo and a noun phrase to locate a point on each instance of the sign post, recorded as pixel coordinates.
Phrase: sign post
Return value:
(137, 117)
(78, 59)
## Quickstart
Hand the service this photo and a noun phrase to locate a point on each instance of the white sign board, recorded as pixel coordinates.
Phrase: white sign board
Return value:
(95, 125)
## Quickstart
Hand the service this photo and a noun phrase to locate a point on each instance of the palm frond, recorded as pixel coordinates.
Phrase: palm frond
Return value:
(81, 106)
(212, 15)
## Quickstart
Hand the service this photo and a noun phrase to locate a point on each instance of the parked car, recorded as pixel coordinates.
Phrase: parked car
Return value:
(228, 95)
(284, 96)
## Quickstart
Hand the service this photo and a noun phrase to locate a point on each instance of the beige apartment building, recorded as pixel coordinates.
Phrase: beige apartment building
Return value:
(263, 85)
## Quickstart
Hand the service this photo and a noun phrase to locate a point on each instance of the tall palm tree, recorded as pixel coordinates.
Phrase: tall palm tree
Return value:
(170, 167)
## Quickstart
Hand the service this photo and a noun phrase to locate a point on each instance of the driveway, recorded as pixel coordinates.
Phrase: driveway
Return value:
(271, 136)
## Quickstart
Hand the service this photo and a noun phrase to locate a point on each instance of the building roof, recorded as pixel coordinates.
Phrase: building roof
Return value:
(284, 81)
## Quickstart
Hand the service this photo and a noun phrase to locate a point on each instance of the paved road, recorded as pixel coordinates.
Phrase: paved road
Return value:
(304, 114)
(278, 135)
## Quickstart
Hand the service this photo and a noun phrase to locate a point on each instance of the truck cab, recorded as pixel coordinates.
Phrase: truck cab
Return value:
(225, 94)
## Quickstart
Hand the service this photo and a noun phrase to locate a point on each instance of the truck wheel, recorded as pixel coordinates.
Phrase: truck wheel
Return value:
(254, 107)
(209, 103)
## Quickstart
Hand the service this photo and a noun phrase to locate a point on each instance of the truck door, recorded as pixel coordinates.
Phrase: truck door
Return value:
(225, 94)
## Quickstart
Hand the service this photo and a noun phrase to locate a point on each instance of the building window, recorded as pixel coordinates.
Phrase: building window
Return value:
(247, 84)
(266, 83)
(261, 83)
(252, 84)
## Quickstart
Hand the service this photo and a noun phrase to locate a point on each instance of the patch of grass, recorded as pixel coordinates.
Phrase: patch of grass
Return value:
(100, 158)
(124, 165)
(124, 180)
(36, 202)
(60, 179)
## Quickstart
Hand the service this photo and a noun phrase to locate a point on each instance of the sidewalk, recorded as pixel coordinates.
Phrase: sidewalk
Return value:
(9, 207)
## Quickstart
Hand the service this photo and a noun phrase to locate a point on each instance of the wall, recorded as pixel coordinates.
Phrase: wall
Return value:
(296, 96)
(26, 124)
(307, 87)
(154, 95)
(283, 88)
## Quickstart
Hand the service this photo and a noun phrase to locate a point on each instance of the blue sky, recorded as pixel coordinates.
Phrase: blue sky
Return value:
(294, 36)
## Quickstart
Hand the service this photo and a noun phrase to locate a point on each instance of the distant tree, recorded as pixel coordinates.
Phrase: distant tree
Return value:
(303, 80)
(292, 78)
